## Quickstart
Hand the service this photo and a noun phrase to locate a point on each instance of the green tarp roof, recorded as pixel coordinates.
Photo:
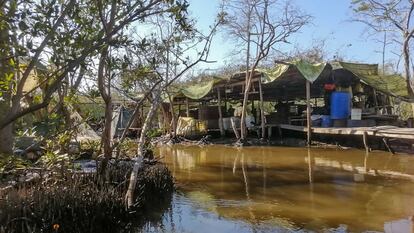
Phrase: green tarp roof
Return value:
(308, 70)
(194, 90)
(198, 90)
(391, 84)
(367, 73)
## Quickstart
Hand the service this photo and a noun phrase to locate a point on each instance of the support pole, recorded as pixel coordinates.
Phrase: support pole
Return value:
(222, 133)
(308, 112)
(262, 116)
(365, 140)
(188, 107)
(385, 140)
(375, 101)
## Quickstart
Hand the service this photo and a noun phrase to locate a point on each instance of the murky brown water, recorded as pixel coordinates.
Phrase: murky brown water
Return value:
(276, 189)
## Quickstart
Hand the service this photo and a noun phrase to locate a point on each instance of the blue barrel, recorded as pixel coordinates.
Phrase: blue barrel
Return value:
(340, 105)
(326, 121)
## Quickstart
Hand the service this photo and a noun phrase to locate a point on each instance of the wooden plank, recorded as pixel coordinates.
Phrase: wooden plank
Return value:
(403, 133)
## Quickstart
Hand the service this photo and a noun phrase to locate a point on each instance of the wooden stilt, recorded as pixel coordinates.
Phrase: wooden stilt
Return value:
(262, 116)
(388, 147)
(308, 113)
(280, 132)
(269, 131)
(222, 133)
(310, 167)
(365, 140)
(375, 101)
(188, 107)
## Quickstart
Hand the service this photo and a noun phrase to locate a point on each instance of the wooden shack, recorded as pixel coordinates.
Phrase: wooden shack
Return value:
(300, 95)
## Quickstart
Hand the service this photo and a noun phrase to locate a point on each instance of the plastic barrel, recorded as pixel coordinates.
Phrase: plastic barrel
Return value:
(326, 121)
(340, 105)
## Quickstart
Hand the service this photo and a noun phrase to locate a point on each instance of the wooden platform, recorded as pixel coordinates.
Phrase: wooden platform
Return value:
(378, 131)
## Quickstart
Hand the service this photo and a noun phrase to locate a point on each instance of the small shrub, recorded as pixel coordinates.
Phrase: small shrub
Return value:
(77, 203)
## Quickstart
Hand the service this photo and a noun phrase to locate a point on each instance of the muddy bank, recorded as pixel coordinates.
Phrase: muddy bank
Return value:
(77, 202)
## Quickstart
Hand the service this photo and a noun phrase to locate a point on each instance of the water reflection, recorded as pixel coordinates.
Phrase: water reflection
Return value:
(292, 188)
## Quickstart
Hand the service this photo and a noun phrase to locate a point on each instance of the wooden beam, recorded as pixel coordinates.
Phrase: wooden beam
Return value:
(262, 116)
(308, 113)
(222, 133)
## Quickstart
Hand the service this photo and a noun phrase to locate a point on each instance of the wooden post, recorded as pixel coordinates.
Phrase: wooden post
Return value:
(365, 140)
(280, 132)
(308, 112)
(310, 167)
(375, 101)
(221, 126)
(262, 116)
(188, 107)
(385, 140)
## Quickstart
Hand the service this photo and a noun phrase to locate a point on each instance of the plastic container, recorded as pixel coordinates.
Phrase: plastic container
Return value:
(340, 105)
(356, 114)
(326, 121)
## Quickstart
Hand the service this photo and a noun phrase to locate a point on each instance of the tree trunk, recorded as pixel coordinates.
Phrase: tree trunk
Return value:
(6, 133)
(106, 137)
(247, 85)
(243, 131)
(104, 89)
(129, 197)
(262, 115)
(173, 117)
(406, 54)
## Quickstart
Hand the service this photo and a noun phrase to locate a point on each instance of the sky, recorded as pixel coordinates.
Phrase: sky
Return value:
(331, 22)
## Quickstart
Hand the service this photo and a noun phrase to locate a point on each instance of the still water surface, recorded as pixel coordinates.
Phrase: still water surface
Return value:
(277, 189)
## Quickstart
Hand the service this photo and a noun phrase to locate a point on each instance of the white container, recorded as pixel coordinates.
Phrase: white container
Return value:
(356, 114)
(226, 123)
(249, 121)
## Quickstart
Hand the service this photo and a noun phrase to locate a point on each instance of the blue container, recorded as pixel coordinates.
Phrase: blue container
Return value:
(340, 105)
(326, 121)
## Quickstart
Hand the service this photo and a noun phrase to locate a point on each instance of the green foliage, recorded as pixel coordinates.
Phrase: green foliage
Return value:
(361, 5)
(154, 132)
(55, 156)
(128, 147)
(78, 203)
(49, 125)
(406, 110)
(91, 146)
(9, 163)
(55, 160)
